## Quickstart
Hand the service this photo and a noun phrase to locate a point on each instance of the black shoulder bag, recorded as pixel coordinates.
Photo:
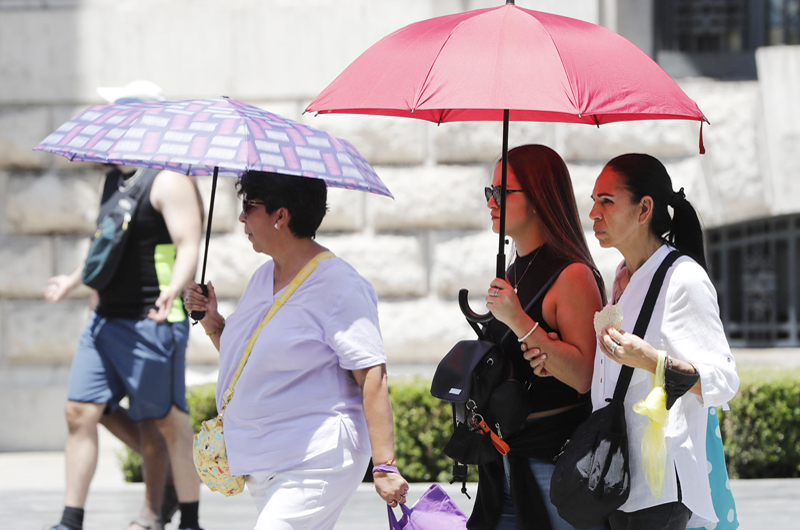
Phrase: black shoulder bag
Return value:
(592, 475)
(476, 378)
(116, 215)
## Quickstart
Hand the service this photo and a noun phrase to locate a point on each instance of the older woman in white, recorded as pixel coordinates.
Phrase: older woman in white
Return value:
(312, 402)
(630, 213)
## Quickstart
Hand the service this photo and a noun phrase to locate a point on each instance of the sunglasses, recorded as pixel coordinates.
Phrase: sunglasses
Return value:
(248, 205)
(495, 192)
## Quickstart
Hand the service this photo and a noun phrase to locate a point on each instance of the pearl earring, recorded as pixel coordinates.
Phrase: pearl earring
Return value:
(276, 226)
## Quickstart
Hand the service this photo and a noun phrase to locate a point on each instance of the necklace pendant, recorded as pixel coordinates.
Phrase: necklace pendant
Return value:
(515, 289)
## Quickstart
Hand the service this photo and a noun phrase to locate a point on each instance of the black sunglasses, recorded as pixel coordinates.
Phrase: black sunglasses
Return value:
(495, 192)
(248, 205)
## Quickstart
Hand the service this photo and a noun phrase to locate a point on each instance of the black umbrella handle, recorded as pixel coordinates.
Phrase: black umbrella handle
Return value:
(200, 315)
(472, 316)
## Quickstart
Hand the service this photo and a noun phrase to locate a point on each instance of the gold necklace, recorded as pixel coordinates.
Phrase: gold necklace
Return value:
(516, 282)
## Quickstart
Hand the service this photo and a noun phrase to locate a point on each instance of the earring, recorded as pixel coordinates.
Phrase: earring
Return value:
(276, 226)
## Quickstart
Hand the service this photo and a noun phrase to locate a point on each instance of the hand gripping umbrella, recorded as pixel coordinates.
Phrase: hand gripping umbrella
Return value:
(506, 63)
(210, 136)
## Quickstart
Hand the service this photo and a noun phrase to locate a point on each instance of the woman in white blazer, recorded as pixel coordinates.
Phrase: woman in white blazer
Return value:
(633, 197)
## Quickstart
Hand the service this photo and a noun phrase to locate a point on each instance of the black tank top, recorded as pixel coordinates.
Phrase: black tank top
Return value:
(146, 264)
(545, 393)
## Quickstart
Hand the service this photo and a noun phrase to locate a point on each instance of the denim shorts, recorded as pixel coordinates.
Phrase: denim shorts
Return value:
(142, 359)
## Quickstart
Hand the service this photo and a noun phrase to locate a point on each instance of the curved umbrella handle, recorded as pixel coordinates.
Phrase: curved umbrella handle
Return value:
(472, 316)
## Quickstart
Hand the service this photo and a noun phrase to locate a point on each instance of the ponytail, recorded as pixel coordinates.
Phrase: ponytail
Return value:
(686, 233)
(644, 175)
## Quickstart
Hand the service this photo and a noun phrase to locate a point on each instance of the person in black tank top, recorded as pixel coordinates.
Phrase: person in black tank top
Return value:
(134, 346)
(551, 347)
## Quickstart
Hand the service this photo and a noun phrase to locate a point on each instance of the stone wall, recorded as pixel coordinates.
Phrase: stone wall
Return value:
(417, 250)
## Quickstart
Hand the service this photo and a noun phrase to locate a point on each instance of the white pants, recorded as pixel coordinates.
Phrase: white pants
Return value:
(310, 498)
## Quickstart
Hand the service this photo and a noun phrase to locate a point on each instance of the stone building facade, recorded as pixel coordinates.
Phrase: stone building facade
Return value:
(417, 250)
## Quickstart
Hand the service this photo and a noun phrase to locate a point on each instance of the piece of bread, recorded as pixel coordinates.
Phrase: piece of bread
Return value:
(609, 315)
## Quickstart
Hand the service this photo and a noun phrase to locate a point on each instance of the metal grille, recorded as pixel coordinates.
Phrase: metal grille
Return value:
(703, 25)
(754, 266)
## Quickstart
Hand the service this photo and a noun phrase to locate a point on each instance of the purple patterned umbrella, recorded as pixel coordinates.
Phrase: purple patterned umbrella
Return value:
(195, 137)
(210, 136)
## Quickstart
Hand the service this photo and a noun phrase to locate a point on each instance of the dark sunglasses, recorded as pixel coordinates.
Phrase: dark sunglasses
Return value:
(248, 205)
(495, 192)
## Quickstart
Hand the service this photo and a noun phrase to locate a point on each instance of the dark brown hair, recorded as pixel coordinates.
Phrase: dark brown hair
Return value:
(304, 198)
(544, 178)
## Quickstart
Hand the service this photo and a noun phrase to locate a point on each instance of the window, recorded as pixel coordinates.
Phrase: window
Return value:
(754, 266)
(719, 37)
(704, 25)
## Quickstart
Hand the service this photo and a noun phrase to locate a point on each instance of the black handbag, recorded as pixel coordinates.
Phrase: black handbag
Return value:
(489, 402)
(592, 474)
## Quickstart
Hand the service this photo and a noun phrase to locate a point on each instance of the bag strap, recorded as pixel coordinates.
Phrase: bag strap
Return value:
(546, 287)
(291, 288)
(643, 321)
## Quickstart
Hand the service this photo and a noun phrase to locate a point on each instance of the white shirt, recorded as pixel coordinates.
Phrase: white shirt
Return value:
(296, 391)
(686, 324)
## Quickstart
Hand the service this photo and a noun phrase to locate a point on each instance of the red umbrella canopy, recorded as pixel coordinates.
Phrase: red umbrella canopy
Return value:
(542, 67)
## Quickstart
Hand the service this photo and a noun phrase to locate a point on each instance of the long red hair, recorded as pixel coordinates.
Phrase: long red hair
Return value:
(545, 180)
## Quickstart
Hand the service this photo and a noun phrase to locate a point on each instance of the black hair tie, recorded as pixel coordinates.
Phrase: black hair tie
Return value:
(677, 196)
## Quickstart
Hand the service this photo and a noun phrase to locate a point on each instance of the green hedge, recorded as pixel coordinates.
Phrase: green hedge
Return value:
(761, 431)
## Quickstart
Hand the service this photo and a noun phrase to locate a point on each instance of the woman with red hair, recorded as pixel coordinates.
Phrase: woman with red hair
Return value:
(551, 346)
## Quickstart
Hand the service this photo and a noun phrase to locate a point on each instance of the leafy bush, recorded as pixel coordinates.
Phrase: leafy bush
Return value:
(762, 429)
(131, 465)
(202, 406)
(422, 426)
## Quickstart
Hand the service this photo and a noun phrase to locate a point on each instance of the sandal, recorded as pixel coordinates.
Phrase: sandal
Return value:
(155, 525)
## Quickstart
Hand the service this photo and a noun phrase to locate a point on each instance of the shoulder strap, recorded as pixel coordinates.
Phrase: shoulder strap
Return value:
(644, 319)
(546, 287)
(291, 288)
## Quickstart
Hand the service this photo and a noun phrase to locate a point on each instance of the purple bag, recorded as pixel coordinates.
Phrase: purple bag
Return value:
(435, 510)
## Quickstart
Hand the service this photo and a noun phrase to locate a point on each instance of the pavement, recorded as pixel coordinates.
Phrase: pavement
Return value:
(32, 495)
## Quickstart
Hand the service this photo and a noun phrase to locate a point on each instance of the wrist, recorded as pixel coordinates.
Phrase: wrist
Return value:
(529, 333)
(522, 324)
(212, 322)
(387, 467)
(218, 330)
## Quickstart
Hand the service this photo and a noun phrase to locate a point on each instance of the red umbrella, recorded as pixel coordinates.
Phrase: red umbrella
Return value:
(507, 63)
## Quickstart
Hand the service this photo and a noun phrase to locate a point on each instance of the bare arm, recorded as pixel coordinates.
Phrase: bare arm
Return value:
(392, 487)
(175, 196)
(574, 298)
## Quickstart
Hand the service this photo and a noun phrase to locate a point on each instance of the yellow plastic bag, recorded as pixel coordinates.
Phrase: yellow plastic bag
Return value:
(654, 447)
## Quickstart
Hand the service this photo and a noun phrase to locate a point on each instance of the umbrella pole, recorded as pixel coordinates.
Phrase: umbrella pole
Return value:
(463, 294)
(199, 315)
(501, 251)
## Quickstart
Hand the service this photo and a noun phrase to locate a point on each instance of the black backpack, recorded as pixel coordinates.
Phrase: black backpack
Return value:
(489, 402)
(117, 213)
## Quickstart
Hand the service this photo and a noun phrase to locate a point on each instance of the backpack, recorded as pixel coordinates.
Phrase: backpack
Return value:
(117, 212)
(488, 401)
